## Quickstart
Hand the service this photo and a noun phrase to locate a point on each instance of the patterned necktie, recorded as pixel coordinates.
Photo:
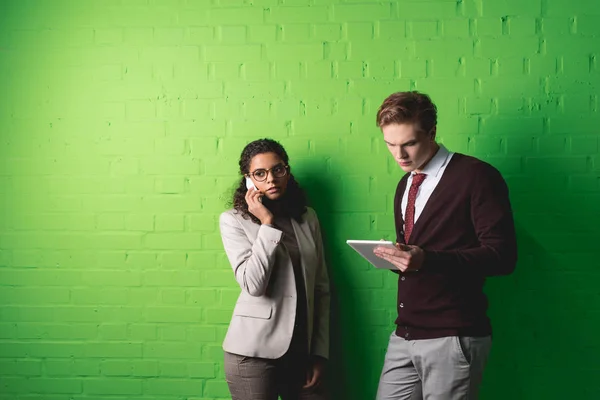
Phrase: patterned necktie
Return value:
(409, 214)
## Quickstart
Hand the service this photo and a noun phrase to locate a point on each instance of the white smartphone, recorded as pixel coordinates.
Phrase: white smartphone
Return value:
(250, 184)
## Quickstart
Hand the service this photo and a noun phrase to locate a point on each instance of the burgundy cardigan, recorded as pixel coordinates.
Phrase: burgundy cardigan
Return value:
(467, 232)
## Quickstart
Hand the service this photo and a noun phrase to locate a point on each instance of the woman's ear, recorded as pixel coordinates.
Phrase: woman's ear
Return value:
(432, 133)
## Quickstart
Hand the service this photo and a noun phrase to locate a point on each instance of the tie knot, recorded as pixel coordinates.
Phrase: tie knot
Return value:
(417, 179)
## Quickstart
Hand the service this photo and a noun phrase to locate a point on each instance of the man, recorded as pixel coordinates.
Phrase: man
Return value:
(454, 228)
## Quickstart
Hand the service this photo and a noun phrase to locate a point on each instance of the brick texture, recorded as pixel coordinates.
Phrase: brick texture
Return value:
(120, 126)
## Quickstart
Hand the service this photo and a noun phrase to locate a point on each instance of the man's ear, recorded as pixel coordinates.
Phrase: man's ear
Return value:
(432, 133)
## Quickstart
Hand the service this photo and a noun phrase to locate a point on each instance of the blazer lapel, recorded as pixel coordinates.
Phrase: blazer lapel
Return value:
(306, 245)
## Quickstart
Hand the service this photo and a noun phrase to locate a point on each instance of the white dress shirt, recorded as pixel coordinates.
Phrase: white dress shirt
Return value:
(434, 170)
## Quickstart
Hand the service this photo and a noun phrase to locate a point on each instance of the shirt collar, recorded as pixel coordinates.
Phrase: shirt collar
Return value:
(439, 160)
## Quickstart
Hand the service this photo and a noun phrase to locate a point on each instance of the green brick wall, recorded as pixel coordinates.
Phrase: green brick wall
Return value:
(120, 126)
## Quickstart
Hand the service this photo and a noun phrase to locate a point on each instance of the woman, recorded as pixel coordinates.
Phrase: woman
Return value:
(278, 339)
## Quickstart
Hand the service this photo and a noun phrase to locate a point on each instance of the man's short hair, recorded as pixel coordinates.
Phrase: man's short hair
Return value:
(408, 108)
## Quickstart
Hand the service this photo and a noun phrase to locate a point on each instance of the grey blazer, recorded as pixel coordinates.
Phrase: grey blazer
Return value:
(264, 316)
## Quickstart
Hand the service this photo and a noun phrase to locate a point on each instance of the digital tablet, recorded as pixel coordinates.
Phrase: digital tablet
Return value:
(365, 249)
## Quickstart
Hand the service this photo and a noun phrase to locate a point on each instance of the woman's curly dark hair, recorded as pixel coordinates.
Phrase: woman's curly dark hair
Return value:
(293, 201)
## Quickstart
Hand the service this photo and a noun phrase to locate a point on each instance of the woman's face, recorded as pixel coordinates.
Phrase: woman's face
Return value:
(269, 174)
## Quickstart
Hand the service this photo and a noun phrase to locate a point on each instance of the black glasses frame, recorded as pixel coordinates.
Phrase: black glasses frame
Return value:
(266, 171)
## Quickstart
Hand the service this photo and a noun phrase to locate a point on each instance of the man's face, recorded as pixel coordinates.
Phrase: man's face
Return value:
(411, 149)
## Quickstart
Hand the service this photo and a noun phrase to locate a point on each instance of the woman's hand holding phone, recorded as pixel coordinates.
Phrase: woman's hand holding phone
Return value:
(255, 205)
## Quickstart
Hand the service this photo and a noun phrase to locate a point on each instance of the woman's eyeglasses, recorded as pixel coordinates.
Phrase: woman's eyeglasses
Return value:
(278, 171)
